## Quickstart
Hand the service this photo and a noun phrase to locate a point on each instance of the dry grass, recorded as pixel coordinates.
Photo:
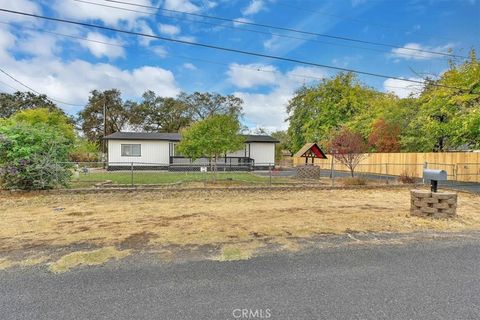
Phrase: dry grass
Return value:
(28, 262)
(357, 181)
(225, 218)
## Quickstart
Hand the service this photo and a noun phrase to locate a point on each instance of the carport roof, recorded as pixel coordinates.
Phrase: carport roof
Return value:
(176, 137)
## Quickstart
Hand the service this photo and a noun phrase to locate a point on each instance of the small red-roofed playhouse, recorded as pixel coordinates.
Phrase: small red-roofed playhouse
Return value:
(310, 152)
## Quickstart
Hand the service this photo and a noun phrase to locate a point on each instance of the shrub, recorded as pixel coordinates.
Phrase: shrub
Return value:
(406, 177)
(33, 157)
(37, 173)
(354, 181)
(84, 151)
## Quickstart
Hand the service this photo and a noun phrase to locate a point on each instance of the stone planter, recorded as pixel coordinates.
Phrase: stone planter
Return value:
(433, 204)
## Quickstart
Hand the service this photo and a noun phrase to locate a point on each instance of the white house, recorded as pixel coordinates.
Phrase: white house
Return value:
(153, 150)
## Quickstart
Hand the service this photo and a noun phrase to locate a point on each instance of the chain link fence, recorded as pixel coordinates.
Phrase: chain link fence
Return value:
(132, 174)
(462, 176)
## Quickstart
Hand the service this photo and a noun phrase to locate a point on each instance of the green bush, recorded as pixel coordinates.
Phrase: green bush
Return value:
(85, 151)
(33, 157)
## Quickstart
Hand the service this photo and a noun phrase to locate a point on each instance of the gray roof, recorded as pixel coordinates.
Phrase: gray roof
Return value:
(143, 136)
(175, 136)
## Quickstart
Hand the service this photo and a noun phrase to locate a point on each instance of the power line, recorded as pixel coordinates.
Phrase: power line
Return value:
(236, 21)
(11, 87)
(33, 90)
(209, 46)
(241, 67)
(360, 21)
(413, 54)
(170, 55)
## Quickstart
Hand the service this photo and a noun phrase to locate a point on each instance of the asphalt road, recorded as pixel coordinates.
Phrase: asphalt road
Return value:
(426, 280)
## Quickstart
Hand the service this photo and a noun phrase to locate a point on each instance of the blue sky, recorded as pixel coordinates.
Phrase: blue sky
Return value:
(67, 68)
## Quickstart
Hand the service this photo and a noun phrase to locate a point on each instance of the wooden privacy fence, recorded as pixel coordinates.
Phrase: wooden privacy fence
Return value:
(460, 166)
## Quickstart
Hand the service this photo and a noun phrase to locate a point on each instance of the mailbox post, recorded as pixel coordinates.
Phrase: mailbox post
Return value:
(434, 176)
(433, 204)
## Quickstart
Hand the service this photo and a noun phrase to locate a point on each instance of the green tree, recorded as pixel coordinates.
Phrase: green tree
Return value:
(12, 103)
(203, 105)
(159, 114)
(53, 118)
(385, 136)
(285, 143)
(84, 151)
(213, 137)
(448, 111)
(315, 112)
(33, 156)
(383, 107)
(91, 117)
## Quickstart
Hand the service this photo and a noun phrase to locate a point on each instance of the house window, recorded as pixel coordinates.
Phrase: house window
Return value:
(131, 150)
(175, 150)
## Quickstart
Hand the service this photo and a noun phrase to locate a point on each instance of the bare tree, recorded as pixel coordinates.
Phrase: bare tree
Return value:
(348, 148)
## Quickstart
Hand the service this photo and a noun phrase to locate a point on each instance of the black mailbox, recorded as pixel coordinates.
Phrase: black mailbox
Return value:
(434, 176)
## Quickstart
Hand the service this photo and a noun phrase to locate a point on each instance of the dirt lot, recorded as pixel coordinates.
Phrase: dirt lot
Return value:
(43, 228)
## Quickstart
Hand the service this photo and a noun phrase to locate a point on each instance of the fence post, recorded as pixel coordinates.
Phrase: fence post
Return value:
(425, 166)
(332, 174)
(386, 172)
(331, 169)
(131, 170)
(270, 172)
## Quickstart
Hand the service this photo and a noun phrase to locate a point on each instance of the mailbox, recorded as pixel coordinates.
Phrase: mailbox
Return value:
(434, 176)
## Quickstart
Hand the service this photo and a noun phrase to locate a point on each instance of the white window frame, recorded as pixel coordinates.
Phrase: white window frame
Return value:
(124, 154)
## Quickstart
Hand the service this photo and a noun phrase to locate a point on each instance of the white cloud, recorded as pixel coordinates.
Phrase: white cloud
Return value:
(248, 75)
(209, 4)
(71, 81)
(267, 110)
(99, 49)
(168, 29)
(187, 38)
(142, 27)
(242, 19)
(38, 44)
(254, 7)
(405, 53)
(18, 5)
(181, 5)
(160, 51)
(189, 66)
(403, 89)
(347, 61)
(109, 16)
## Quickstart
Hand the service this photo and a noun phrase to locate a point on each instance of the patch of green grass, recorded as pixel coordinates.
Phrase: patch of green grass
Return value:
(241, 251)
(89, 258)
(142, 177)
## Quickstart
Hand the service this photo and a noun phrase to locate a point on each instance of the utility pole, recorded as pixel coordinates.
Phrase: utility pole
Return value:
(104, 146)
